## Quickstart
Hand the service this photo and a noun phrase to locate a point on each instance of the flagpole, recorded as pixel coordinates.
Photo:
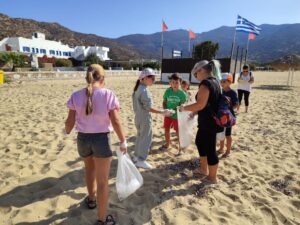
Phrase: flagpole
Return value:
(233, 44)
(162, 50)
(162, 42)
(232, 48)
(246, 56)
(189, 46)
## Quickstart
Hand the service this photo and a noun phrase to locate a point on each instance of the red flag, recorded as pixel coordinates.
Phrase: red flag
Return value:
(192, 35)
(164, 26)
(251, 36)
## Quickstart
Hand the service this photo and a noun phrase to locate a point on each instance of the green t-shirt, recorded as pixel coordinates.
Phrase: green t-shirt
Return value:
(174, 99)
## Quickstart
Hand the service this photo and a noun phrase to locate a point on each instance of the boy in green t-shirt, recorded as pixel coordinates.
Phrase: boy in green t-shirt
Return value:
(173, 97)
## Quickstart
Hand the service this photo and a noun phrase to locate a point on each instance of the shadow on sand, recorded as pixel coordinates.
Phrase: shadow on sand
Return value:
(161, 189)
(273, 87)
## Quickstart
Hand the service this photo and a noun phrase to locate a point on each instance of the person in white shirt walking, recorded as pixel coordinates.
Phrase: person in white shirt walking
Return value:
(245, 81)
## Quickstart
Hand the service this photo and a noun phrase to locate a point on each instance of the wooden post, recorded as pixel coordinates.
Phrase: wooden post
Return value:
(292, 77)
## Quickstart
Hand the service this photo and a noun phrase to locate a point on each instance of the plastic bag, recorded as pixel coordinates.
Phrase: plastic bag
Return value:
(128, 178)
(185, 126)
(221, 135)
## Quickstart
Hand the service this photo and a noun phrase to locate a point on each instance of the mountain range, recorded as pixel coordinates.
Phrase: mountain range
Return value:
(16, 27)
(274, 42)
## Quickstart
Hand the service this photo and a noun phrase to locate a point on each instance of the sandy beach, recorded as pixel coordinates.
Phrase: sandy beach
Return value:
(41, 174)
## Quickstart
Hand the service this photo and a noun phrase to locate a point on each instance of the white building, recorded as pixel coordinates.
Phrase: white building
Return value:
(39, 46)
(80, 52)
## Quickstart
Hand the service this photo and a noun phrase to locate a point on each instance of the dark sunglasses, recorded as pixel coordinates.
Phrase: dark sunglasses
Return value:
(151, 76)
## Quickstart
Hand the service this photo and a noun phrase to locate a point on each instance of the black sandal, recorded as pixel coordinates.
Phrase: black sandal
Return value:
(91, 204)
(110, 220)
(100, 222)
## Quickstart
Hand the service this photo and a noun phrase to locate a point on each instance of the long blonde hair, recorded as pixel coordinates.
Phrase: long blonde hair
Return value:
(94, 73)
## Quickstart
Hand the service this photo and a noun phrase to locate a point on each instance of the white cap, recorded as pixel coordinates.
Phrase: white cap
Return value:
(198, 66)
(147, 72)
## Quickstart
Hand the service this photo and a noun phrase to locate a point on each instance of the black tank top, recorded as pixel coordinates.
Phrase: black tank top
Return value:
(205, 118)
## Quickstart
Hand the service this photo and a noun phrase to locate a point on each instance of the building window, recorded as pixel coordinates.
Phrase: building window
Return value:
(60, 53)
(52, 52)
(32, 50)
(43, 51)
(37, 50)
(56, 52)
(70, 54)
(26, 49)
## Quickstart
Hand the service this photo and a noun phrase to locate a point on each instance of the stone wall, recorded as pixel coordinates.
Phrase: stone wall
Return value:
(30, 75)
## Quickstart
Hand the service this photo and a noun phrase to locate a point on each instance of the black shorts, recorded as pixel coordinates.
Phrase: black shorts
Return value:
(96, 144)
(228, 131)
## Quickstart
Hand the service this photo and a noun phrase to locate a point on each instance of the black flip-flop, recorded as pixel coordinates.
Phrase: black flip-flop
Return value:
(110, 220)
(91, 204)
(99, 222)
(163, 148)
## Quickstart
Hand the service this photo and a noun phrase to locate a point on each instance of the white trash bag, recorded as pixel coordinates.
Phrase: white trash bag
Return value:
(128, 178)
(221, 136)
(185, 126)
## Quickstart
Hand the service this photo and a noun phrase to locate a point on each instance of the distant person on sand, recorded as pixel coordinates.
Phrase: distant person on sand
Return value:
(207, 103)
(173, 97)
(143, 107)
(95, 110)
(226, 81)
(245, 81)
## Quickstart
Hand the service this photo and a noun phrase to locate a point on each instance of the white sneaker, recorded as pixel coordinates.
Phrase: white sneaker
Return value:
(143, 164)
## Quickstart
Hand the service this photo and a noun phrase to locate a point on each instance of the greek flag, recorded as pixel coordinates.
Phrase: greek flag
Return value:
(244, 25)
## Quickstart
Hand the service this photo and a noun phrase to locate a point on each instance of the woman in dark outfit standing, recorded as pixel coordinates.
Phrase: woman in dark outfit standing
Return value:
(207, 103)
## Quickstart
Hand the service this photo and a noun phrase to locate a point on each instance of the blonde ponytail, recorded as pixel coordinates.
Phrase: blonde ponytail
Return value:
(89, 93)
(94, 73)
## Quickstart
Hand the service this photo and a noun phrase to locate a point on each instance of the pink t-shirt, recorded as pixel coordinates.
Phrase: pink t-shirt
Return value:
(98, 121)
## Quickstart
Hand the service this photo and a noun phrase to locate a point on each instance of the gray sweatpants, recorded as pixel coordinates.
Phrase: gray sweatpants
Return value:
(143, 139)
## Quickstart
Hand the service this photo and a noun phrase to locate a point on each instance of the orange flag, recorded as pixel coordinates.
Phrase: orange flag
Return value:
(164, 26)
(251, 36)
(192, 35)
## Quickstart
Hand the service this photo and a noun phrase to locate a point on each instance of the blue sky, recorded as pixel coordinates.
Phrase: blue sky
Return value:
(114, 18)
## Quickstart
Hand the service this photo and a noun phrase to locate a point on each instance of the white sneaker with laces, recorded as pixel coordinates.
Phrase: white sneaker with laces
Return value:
(143, 164)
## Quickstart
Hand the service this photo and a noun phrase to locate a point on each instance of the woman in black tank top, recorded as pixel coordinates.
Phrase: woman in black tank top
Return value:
(207, 103)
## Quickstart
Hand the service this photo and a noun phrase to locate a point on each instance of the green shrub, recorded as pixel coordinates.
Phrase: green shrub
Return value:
(18, 60)
(153, 65)
(63, 63)
(92, 59)
(206, 50)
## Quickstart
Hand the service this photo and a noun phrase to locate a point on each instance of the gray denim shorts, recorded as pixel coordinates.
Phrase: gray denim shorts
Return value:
(96, 144)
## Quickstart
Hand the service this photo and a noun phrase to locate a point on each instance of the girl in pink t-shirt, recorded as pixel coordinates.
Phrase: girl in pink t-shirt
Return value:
(95, 112)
